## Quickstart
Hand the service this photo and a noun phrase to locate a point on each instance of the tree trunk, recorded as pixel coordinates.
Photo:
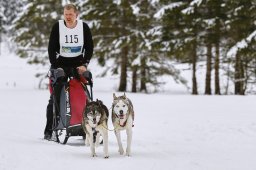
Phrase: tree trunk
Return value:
(245, 64)
(242, 78)
(143, 77)
(124, 63)
(216, 67)
(239, 76)
(194, 60)
(208, 89)
(134, 79)
(217, 31)
(237, 70)
(134, 65)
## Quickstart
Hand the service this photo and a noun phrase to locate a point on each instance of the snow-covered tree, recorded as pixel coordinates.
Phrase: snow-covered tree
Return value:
(125, 33)
(33, 28)
(8, 13)
(1, 19)
(192, 27)
(242, 41)
(141, 39)
(181, 32)
(110, 23)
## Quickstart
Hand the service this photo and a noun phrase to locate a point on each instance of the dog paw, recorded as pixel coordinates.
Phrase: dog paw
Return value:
(128, 154)
(121, 151)
(94, 155)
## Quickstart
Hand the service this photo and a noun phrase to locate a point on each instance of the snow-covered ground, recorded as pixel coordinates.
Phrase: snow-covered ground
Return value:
(172, 131)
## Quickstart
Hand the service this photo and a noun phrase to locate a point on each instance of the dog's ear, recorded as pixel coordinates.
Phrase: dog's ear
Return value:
(86, 109)
(114, 96)
(124, 95)
(99, 102)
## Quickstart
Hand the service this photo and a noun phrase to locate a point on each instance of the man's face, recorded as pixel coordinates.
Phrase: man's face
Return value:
(69, 16)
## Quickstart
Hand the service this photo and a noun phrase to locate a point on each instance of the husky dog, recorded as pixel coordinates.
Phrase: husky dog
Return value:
(122, 119)
(95, 118)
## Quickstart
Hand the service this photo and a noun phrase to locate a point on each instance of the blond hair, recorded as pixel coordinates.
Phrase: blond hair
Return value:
(71, 6)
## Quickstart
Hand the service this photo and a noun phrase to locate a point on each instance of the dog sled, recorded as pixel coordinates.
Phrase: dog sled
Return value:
(74, 96)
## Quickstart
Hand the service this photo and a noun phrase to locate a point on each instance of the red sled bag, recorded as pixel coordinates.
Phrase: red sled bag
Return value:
(77, 99)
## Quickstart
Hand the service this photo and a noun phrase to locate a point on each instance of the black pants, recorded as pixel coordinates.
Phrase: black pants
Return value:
(49, 117)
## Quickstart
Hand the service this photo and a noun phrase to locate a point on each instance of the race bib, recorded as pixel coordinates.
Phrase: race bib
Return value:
(71, 40)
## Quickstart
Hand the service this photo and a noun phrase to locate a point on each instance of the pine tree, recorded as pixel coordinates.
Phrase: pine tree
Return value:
(182, 30)
(242, 35)
(33, 29)
(10, 10)
(189, 27)
(141, 43)
(108, 22)
(1, 26)
(1, 21)
(111, 26)
(213, 17)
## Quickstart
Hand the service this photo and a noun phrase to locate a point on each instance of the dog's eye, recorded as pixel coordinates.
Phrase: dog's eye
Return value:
(117, 106)
(123, 105)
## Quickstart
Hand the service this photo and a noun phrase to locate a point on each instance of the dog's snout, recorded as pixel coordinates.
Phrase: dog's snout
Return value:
(121, 112)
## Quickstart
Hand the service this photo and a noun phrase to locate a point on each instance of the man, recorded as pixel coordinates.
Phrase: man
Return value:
(70, 48)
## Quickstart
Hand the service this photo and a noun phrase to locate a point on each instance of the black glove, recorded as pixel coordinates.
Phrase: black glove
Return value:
(88, 76)
(56, 74)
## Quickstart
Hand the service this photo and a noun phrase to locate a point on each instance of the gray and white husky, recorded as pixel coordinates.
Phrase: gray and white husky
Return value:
(122, 119)
(95, 118)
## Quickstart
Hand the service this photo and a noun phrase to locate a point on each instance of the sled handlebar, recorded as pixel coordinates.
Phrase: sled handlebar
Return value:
(73, 73)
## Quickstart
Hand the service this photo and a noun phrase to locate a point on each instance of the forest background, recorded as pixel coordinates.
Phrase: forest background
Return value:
(142, 41)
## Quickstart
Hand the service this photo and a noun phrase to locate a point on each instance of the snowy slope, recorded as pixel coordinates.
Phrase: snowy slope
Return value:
(172, 131)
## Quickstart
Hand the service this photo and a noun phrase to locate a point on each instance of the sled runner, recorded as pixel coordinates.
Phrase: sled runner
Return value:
(74, 96)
